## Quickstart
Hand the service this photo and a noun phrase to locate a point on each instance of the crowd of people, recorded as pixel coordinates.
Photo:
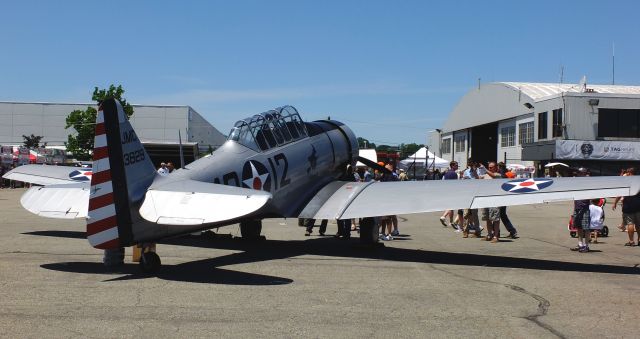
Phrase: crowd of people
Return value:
(6, 183)
(467, 221)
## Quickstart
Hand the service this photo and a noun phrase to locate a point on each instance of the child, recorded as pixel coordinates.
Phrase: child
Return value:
(596, 215)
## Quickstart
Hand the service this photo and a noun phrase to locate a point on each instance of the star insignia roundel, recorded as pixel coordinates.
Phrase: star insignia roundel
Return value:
(80, 175)
(255, 176)
(526, 185)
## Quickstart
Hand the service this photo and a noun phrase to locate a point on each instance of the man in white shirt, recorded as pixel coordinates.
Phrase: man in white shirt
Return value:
(163, 170)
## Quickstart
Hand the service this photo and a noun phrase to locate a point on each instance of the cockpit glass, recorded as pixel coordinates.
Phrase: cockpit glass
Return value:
(270, 129)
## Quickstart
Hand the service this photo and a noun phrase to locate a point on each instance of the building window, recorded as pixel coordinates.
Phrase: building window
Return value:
(556, 130)
(525, 133)
(542, 125)
(618, 123)
(459, 143)
(446, 146)
(508, 136)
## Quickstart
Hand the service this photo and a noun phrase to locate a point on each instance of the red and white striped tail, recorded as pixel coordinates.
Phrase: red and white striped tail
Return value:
(102, 224)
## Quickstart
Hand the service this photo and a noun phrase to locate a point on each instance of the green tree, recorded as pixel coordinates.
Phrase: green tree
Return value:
(81, 144)
(408, 149)
(32, 141)
(364, 143)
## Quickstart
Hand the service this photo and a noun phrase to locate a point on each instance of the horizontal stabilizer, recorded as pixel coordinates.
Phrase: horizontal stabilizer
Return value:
(189, 202)
(68, 201)
(49, 175)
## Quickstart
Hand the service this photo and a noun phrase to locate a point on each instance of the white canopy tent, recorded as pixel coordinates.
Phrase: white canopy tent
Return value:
(369, 154)
(424, 158)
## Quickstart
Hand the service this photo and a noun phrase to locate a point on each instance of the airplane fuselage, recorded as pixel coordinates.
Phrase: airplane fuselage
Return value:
(292, 173)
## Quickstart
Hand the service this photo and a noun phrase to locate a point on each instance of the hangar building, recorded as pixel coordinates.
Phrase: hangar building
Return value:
(593, 126)
(156, 126)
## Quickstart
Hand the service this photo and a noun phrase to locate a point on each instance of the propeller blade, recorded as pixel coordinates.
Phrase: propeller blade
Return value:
(373, 164)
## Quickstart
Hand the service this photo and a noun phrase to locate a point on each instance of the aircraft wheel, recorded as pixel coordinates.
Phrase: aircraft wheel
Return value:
(604, 232)
(368, 231)
(150, 262)
(251, 229)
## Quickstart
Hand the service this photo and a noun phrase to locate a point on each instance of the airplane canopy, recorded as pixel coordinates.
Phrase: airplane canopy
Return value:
(269, 129)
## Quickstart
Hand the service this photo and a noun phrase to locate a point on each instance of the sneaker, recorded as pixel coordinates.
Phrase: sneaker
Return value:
(307, 233)
(494, 240)
(455, 226)
(513, 235)
(584, 249)
(443, 221)
(458, 230)
(388, 237)
(381, 236)
(395, 233)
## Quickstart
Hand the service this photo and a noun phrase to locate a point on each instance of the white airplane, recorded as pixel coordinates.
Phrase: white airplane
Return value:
(272, 165)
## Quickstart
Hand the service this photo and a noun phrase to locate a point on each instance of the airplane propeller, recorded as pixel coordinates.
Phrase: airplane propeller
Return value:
(373, 164)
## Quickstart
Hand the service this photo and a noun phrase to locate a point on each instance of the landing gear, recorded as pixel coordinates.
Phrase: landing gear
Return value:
(368, 231)
(250, 229)
(149, 261)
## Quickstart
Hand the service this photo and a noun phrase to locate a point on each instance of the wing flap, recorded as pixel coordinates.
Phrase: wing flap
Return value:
(189, 202)
(67, 201)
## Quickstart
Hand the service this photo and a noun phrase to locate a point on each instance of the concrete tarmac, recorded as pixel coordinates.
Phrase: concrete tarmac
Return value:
(429, 282)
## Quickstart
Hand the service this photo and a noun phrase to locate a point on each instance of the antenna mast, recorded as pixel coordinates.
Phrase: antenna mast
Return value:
(613, 64)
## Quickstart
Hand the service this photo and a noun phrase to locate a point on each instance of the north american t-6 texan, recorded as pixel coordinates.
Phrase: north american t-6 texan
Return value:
(273, 165)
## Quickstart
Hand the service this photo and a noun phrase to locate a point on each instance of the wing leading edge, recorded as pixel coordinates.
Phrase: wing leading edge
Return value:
(357, 200)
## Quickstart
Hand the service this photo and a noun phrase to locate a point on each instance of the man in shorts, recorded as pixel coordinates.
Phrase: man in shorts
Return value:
(630, 215)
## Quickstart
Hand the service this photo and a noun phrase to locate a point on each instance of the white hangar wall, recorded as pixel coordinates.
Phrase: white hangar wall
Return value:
(507, 120)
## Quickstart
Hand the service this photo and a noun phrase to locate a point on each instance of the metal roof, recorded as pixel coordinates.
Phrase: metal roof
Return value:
(498, 101)
(538, 91)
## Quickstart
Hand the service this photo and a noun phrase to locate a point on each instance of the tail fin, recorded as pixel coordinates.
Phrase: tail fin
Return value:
(122, 172)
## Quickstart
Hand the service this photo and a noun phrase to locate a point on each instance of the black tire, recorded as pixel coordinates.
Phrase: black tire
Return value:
(150, 262)
(368, 231)
(251, 229)
(573, 234)
(604, 232)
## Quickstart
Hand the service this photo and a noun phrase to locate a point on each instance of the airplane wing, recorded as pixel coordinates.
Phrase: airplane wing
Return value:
(344, 200)
(190, 202)
(67, 201)
(49, 175)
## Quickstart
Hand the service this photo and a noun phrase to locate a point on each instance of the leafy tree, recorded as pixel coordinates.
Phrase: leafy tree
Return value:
(84, 122)
(32, 141)
(364, 143)
(408, 149)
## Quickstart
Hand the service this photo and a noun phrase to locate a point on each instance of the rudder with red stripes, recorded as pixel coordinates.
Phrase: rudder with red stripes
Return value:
(122, 172)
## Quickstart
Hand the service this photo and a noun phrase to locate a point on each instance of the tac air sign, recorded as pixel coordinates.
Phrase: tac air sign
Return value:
(597, 150)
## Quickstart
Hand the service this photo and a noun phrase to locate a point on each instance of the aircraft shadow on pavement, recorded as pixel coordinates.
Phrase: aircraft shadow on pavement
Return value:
(59, 234)
(209, 271)
(201, 271)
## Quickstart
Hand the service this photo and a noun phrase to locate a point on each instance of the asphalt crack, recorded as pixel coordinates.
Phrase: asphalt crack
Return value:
(543, 304)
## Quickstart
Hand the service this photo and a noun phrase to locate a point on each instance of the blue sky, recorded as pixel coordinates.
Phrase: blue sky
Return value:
(391, 70)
